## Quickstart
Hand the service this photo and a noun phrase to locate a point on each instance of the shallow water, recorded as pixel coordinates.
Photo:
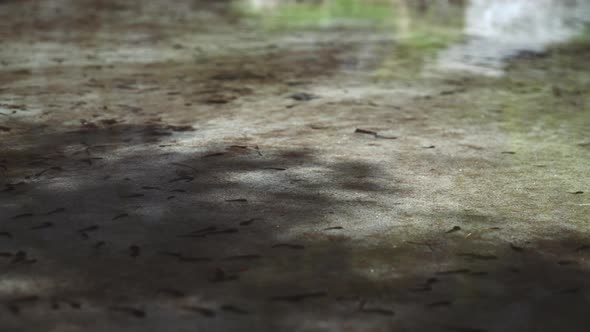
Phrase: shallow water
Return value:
(294, 165)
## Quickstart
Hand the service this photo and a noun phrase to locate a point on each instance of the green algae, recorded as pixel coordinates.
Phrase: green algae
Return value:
(419, 36)
(290, 15)
(543, 118)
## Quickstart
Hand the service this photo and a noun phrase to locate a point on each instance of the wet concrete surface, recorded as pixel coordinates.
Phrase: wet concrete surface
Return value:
(241, 167)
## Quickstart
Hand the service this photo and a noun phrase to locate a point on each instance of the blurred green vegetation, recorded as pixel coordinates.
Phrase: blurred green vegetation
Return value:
(584, 37)
(313, 14)
(419, 31)
(420, 35)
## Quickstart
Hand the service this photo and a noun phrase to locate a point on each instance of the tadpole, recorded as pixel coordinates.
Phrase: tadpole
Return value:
(333, 228)
(138, 313)
(439, 304)
(373, 133)
(242, 257)
(219, 276)
(119, 216)
(299, 297)
(248, 222)
(233, 309)
(451, 272)
(43, 225)
(22, 215)
(171, 292)
(478, 256)
(133, 195)
(516, 248)
(203, 311)
(6, 234)
(58, 210)
(454, 229)
(288, 245)
(134, 251)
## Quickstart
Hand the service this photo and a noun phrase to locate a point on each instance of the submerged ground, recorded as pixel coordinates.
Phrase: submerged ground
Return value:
(308, 166)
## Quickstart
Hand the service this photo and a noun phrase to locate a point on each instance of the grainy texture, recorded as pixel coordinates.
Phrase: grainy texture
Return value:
(180, 168)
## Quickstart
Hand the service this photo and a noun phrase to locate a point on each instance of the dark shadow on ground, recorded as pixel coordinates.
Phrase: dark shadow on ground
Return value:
(125, 227)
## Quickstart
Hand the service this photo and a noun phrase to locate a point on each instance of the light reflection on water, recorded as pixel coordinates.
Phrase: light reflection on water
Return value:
(490, 31)
(500, 29)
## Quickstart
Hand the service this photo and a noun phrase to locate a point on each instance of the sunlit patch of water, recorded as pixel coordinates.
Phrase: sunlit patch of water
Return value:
(502, 29)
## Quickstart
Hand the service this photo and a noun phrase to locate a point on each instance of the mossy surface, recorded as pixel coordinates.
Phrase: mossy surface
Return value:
(315, 14)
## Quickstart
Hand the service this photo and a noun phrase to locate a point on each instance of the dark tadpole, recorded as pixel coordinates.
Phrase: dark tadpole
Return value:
(6, 234)
(21, 257)
(571, 290)
(138, 313)
(299, 297)
(478, 256)
(373, 133)
(206, 312)
(566, 262)
(171, 292)
(426, 287)
(248, 222)
(58, 210)
(220, 276)
(14, 305)
(216, 154)
(180, 128)
(204, 230)
(43, 225)
(150, 188)
(242, 257)
(99, 244)
(134, 251)
(55, 303)
(451, 272)
(185, 178)
(241, 200)
(119, 216)
(419, 289)
(89, 161)
(378, 311)
(303, 96)
(89, 229)
(454, 229)
(22, 215)
(233, 309)
(288, 245)
(205, 234)
(333, 228)
(185, 259)
(56, 168)
(133, 195)
(439, 304)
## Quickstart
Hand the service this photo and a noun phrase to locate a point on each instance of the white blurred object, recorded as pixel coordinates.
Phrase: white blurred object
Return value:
(500, 29)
